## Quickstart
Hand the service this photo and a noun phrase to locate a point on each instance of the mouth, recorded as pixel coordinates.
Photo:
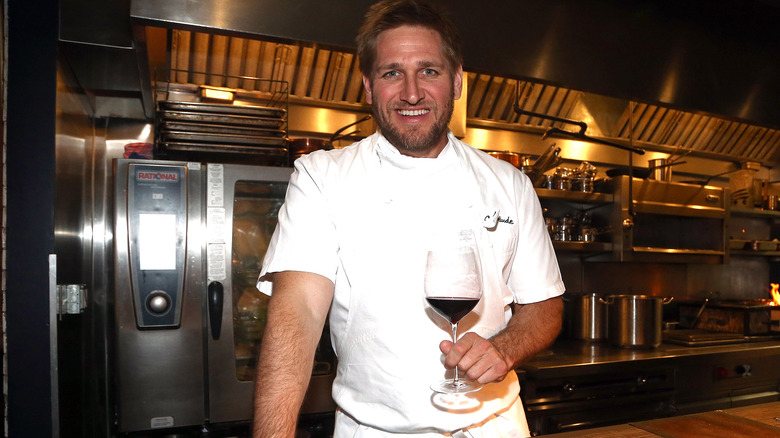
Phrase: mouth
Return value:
(412, 113)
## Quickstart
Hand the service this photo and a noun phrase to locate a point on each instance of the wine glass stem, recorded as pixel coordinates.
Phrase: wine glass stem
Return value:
(455, 381)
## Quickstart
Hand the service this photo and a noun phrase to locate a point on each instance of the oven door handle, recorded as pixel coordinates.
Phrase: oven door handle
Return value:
(215, 298)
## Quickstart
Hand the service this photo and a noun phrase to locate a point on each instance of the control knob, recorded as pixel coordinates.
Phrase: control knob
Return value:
(743, 370)
(158, 302)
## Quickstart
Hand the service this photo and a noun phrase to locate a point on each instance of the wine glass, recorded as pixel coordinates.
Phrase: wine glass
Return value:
(453, 287)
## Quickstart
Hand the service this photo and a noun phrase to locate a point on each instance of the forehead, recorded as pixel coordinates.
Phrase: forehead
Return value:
(409, 44)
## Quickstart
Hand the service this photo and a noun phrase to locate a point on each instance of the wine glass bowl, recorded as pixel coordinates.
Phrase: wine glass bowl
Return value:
(453, 287)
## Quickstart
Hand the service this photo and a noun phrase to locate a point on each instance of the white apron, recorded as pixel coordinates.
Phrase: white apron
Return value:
(388, 348)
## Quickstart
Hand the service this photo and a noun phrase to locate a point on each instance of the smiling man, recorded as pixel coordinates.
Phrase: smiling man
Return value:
(412, 89)
(352, 242)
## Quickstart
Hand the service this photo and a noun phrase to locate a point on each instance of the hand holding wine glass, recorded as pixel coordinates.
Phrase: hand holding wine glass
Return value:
(453, 287)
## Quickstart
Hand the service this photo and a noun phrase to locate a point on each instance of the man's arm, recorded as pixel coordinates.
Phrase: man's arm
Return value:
(296, 315)
(532, 328)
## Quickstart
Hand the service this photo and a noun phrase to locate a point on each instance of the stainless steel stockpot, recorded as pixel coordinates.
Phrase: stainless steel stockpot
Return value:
(588, 317)
(635, 321)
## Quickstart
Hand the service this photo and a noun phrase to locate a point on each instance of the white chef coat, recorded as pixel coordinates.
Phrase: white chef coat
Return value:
(363, 216)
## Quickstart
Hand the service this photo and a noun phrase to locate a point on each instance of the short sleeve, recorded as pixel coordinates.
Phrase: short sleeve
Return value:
(304, 238)
(534, 275)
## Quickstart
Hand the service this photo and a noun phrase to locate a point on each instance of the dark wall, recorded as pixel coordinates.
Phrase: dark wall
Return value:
(31, 87)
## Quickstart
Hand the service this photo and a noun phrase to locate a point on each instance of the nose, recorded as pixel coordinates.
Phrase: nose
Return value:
(411, 93)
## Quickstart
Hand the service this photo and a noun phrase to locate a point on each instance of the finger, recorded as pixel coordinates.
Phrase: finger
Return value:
(488, 370)
(457, 350)
(445, 346)
(483, 362)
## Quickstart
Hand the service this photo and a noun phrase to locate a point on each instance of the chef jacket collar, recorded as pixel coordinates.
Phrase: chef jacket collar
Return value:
(386, 152)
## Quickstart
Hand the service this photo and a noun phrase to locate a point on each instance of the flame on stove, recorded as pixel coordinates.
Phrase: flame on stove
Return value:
(775, 294)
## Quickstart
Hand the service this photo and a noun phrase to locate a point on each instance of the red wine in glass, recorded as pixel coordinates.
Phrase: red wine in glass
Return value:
(453, 287)
(452, 308)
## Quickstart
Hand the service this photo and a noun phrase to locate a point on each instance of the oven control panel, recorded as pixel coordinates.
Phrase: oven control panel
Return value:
(157, 223)
(732, 371)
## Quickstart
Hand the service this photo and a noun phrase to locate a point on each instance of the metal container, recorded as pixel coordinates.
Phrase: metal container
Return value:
(635, 321)
(582, 184)
(564, 229)
(512, 158)
(588, 318)
(660, 169)
(562, 179)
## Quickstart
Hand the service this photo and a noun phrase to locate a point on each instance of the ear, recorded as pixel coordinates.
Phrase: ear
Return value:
(367, 87)
(457, 82)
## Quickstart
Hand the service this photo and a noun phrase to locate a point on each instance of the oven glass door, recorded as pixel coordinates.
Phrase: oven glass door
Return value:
(242, 207)
(255, 209)
(252, 198)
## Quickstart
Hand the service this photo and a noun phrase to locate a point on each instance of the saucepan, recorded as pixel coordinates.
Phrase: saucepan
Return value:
(513, 158)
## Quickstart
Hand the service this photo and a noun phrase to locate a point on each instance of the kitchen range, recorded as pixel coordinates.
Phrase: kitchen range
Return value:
(590, 379)
(222, 95)
(575, 386)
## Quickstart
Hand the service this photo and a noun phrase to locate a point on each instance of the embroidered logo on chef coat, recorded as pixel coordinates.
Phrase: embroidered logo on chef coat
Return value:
(491, 221)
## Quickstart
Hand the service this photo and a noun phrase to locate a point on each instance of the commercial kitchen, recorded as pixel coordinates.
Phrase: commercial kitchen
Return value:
(651, 131)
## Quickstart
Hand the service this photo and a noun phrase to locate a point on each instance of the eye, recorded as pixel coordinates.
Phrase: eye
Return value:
(429, 72)
(391, 74)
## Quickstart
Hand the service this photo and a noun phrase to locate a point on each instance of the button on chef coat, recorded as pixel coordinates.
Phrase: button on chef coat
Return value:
(364, 216)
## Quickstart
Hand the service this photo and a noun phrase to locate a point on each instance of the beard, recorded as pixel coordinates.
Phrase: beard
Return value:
(415, 139)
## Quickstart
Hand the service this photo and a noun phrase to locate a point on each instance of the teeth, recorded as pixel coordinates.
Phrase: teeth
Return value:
(413, 112)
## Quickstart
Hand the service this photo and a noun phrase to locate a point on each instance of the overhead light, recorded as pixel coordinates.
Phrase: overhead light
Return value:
(224, 94)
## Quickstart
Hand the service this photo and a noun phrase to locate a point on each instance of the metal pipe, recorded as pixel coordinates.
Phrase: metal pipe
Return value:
(563, 133)
(583, 126)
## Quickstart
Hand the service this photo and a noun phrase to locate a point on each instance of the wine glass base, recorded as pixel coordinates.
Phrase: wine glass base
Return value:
(455, 402)
(462, 386)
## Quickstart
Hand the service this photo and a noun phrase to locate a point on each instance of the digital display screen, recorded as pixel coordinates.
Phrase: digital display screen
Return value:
(157, 242)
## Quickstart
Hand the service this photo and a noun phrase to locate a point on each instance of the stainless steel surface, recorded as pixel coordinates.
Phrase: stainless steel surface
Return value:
(319, 63)
(160, 373)
(235, 110)
(54, 346)
(660, 169)
(83, 238)
(697, 337)
(249, 122)
(544, 29)
(218, 138)
(201, 370)
(328, 75)
(668, 222)
(574, 356)
(219, 129)
(588, 317)
(635, 321)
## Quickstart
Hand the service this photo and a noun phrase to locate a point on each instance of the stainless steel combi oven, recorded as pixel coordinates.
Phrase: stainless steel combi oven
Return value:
(189, 241)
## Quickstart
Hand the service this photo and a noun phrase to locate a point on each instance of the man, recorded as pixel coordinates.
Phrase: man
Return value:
(352, 240)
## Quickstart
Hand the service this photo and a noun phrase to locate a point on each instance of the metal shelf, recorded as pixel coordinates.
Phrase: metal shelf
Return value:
(754, 212)
(568, 195)
(582, 246)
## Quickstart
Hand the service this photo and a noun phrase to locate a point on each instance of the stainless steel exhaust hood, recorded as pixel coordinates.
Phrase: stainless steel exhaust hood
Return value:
(679, 77)
(332, 76)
